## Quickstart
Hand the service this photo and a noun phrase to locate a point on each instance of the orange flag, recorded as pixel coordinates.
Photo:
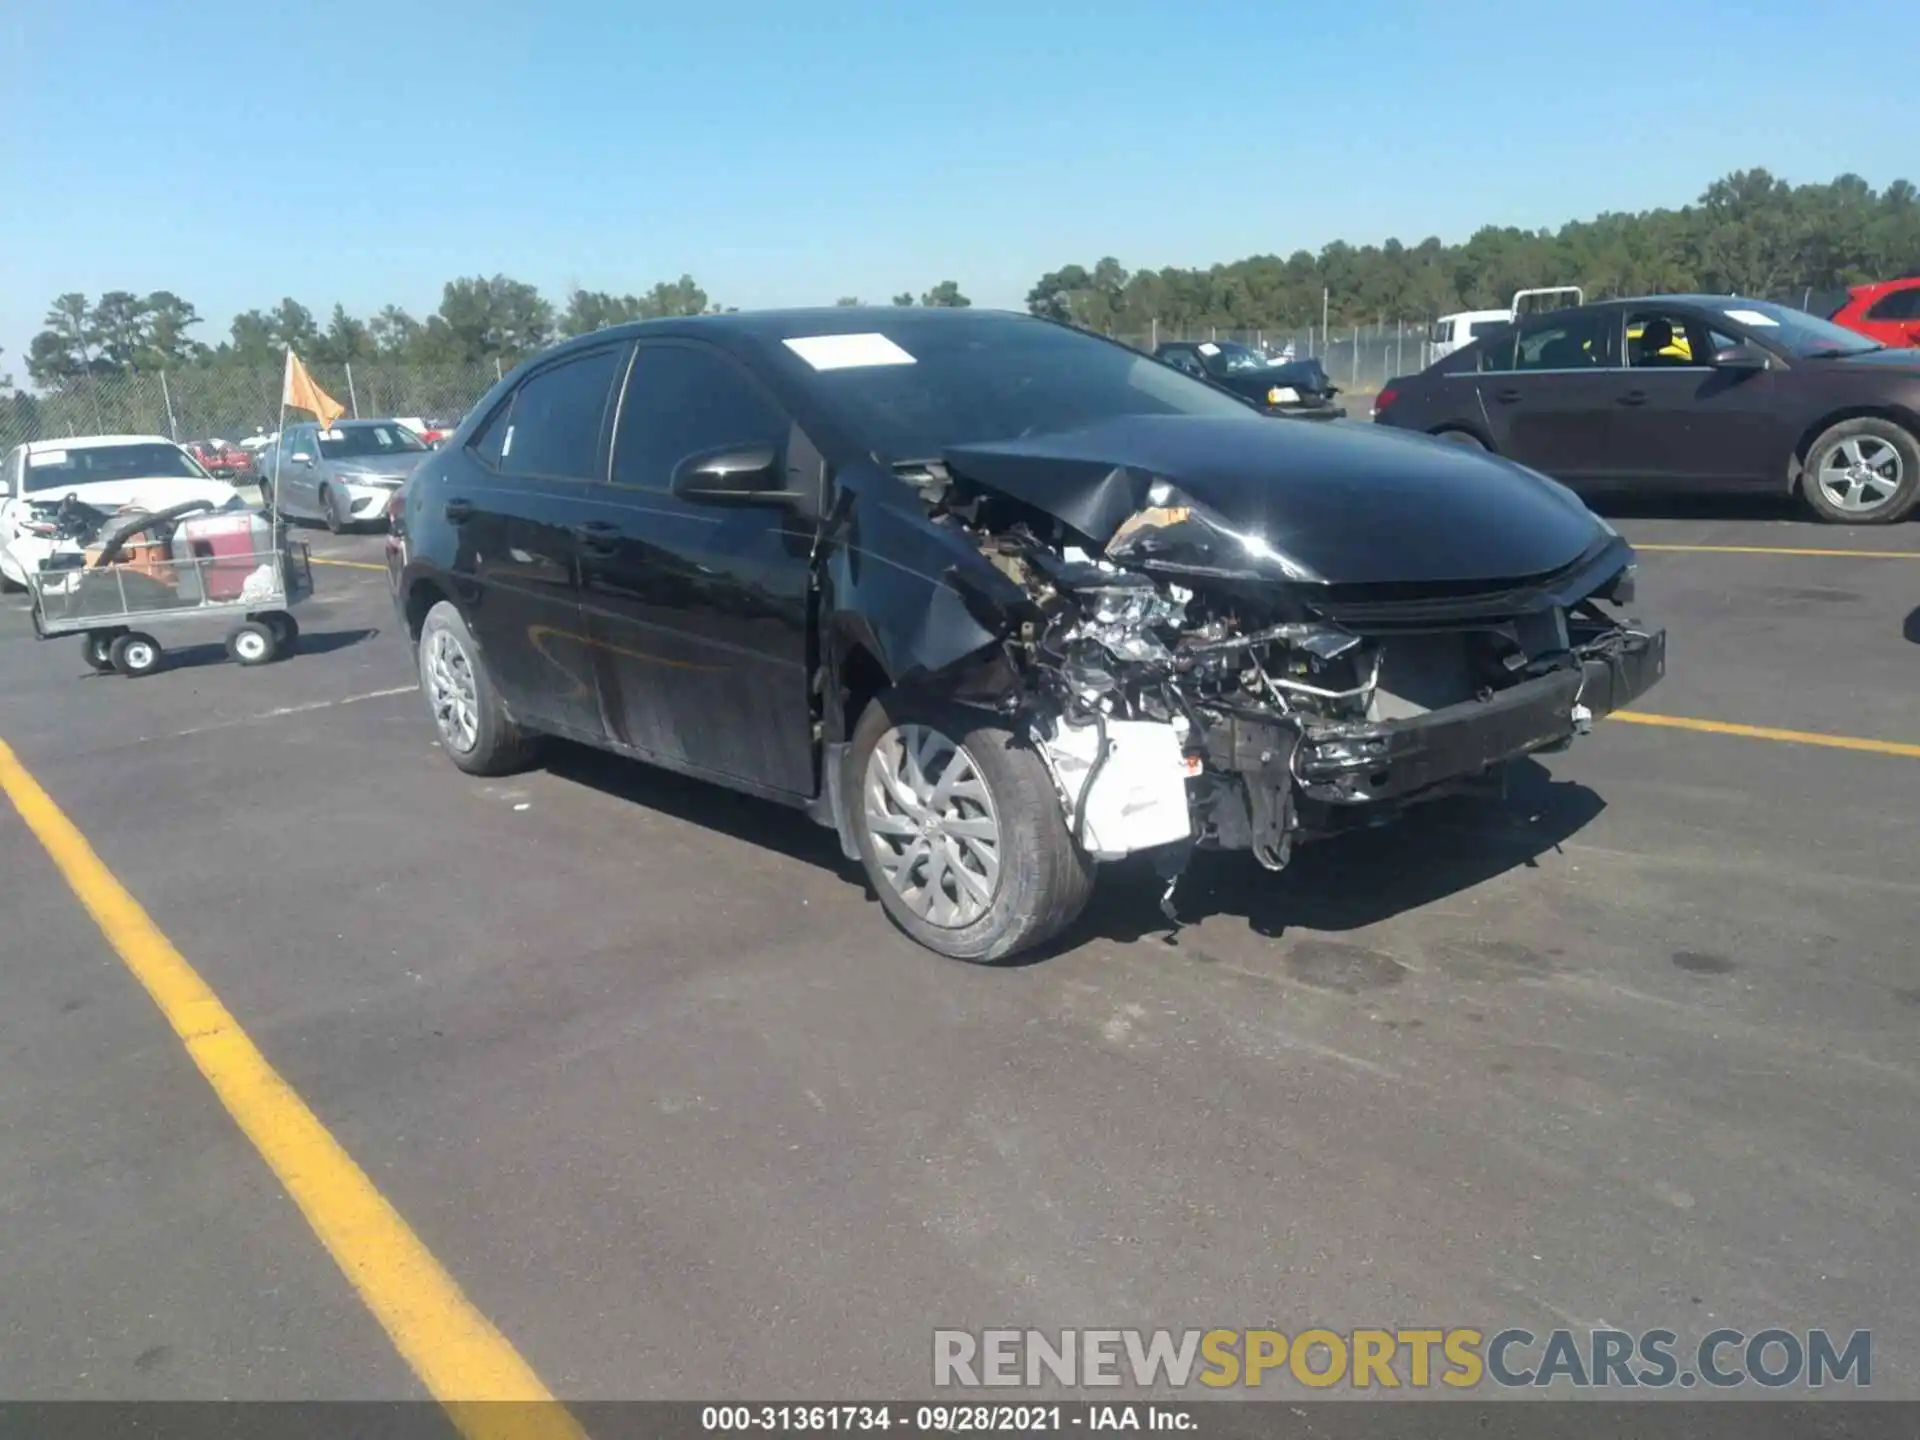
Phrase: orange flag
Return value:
(299, 391)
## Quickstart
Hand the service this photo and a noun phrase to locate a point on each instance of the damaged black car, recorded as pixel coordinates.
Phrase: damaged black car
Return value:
(995, 599)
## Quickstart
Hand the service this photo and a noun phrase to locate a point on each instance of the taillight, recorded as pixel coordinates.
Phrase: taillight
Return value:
(1384, 399)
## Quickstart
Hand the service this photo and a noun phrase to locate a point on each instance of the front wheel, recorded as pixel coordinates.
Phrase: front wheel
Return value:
(97, 646)
(1862, 472)
(475, 729)
(135, 654)
(1466, 439)
(961, 831)
(330, 506)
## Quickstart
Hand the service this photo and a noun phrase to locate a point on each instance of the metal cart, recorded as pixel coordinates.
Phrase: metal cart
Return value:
(113, 598)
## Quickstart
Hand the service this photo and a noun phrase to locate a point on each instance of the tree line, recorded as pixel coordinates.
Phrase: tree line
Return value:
(1749, 233)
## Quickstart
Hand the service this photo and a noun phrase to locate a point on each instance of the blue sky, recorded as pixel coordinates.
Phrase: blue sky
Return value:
(364, 152)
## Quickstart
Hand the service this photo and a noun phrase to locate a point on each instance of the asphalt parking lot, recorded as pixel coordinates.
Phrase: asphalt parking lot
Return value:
(643, 1067)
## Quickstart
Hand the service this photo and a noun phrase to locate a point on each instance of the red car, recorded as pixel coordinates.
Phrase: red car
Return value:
(221, 461)
(1887, 311)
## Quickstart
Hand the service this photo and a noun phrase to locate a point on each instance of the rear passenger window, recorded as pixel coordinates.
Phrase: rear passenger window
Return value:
(686, 400)
(1576, 342)
(1900, 305)
(553, 427)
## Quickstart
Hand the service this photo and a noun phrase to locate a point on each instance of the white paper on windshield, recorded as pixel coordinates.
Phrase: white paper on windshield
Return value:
(1751, 317)
(331, 435)
(1207, 347)
(847, 352)
(46, 457)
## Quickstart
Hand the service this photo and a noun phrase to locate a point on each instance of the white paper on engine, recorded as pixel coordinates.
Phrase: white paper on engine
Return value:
(1139, 798)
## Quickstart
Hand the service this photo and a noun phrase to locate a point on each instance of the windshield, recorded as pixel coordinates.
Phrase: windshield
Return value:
(88, 464)
(998, 380)
(1795, 331)
(1233, 357)
(362, 441)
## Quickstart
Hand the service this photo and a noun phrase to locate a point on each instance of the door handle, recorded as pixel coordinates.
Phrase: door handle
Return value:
(596, 535)
(459, 511)
(1506, 397)
(1634, 397)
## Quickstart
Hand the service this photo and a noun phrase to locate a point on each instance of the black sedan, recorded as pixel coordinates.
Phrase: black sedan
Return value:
(1685, 393)
(996, 599)
(1296, 388)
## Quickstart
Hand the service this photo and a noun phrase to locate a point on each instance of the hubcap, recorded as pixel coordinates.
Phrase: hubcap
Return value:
(252, 646)
(451, 691)
(1861, 474)
(139, 656)
(935, 832)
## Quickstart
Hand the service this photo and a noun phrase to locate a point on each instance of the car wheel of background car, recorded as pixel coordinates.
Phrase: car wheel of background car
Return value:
(1460, 437)
(253, 643)
(266, 493)
(98, 649)
(961, 831)
(135, 654)
(330, 507)
(1862, 472)
(475, 730)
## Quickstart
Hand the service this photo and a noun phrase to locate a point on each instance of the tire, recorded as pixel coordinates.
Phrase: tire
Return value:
(1464, 438)
(1041, 881)
(286, 630)
(253, 643)
(330, 507)
(97, 648)
(135, 654)
(1862, 472)
(474, 727)
(265, 487)
(9, 587)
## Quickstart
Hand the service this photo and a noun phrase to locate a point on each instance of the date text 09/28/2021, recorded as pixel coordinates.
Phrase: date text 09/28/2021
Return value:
(939, 1419)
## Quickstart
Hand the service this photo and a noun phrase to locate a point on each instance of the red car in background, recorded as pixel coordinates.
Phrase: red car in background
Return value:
(220, 459)
(1887, 311)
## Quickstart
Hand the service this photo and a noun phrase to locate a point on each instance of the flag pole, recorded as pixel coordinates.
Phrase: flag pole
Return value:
(279, 433)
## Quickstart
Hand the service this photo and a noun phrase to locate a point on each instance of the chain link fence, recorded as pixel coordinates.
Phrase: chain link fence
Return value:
(219, 402)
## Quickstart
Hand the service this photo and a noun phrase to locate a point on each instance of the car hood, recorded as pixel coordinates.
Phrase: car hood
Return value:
(374, 472)
(1888, 359)
(1336, 504)
(151, 493)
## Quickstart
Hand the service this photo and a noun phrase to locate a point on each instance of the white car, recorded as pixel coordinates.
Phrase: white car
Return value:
(108, 472)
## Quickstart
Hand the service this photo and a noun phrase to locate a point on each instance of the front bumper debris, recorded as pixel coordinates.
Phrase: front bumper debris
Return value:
(1351, 763)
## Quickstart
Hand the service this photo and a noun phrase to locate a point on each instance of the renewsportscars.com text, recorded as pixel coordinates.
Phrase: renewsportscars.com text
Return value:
(1379, 1359)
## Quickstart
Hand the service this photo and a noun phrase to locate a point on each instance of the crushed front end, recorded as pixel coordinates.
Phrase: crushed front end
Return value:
(1188, 687)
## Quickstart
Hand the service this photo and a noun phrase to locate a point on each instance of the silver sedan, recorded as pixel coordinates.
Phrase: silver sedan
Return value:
(343, 474)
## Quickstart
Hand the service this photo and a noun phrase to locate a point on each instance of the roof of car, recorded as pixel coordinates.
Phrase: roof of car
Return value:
(89, 442)
(815, 320)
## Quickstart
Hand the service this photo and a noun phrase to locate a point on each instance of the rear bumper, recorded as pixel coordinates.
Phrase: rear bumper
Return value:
(1349, 763)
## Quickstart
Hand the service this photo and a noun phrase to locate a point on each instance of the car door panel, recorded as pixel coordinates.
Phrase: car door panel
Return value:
(1544, 390)
(1677, 423)
(521, 501)
(699, 611)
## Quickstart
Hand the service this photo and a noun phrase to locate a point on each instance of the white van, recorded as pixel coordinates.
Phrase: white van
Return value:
(1450, 332)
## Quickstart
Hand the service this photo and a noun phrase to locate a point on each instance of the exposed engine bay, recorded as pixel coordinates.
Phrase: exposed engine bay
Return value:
(1189, 687)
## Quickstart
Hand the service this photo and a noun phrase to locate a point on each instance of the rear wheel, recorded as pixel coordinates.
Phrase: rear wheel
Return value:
(961, 831)
(285, 628)
(1862, 472)
(1465, 438)
(475, 729)
(98, 650)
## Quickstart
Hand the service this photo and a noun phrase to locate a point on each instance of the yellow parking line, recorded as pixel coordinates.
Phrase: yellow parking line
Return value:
(1764, 732)
(455, 1350)
(1778, 550)
(346, 564)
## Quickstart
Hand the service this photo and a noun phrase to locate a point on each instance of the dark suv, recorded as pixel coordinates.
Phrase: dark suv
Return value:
(994, 598)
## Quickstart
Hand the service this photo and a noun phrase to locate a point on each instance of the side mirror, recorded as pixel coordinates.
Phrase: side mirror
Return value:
(301, 457)
(749, 476)
(1744, 356)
